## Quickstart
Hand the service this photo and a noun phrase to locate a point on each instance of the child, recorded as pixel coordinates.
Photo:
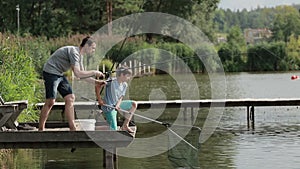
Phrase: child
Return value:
(114, 93)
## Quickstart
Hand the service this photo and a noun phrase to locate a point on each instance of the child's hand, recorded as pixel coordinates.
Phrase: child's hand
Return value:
(118, 108)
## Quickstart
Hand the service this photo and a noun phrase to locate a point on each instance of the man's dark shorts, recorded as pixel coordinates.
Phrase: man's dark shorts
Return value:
(54, 83)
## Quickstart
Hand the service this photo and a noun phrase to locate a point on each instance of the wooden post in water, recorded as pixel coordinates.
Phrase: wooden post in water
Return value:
(110, 159)
(250, 116)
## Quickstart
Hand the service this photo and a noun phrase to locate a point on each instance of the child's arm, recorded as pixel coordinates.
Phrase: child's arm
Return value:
(119, 103)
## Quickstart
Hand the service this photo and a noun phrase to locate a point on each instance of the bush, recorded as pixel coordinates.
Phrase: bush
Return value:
(18, 79)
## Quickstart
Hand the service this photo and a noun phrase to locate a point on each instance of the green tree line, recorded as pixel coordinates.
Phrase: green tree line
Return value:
(62, 18)
(280, 52)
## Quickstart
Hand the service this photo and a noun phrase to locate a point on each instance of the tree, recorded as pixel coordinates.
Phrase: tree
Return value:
(231, 53)
(293, 52)
(267, 57)
(198, 12)
(286, 23)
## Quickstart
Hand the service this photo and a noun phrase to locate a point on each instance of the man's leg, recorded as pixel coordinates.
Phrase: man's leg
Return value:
(45, 113)
(69, 110)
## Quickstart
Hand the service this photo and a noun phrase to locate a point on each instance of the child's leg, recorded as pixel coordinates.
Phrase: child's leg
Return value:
(111, 118)
(130, 106)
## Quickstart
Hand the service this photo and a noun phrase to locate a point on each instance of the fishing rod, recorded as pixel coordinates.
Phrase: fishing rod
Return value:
(123, 42)
(121, 47)
(167, 125)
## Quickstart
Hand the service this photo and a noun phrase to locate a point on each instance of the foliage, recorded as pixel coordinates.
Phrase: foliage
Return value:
(53, 18)
(231, 53)
(164, 55)
(282, 20)
(293, 52)
(286, 23)
(63, 18)
(18, 79)
(107, 65)
(267, 57)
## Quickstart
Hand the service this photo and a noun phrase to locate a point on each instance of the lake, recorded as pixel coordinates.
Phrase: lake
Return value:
(273, 143)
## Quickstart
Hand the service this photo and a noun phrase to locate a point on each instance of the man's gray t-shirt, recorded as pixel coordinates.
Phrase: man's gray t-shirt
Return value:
(62, 59)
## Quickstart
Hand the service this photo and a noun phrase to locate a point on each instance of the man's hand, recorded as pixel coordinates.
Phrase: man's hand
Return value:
(99, 74)
(101, 102)
(100, 83)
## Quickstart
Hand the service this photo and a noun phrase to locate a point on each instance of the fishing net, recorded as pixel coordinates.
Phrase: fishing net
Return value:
(185, 155)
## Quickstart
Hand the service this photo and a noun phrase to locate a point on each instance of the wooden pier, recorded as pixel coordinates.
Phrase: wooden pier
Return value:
(64, 139)
(193, 103)
(61, 137)
(249, 103)
(54, 138)
(57, 135)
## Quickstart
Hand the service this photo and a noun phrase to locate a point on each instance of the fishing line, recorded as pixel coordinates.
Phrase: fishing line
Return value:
(167, 125)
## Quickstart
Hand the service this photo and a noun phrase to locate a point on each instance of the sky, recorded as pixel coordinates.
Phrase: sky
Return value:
(252, 4)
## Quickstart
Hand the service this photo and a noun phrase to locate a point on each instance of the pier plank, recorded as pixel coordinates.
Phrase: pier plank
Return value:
(64, 139)
(194, 103)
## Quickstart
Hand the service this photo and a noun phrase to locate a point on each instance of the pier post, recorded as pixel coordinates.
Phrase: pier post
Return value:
(110, 159)
(250, 116)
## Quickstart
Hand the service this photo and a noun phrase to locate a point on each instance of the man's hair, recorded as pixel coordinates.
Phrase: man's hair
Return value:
(123, 70)
(87, 40)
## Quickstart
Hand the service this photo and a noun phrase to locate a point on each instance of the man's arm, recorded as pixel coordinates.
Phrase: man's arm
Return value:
(98, 94)
(85, 74)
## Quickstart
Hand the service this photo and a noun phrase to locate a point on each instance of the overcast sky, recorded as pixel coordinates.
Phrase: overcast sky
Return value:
(252, 4)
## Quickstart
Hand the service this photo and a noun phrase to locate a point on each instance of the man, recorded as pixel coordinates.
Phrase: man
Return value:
(115, 91)
(60, 61)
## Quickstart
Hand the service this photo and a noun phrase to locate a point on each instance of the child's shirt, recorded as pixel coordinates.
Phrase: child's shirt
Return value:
(113, 92)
